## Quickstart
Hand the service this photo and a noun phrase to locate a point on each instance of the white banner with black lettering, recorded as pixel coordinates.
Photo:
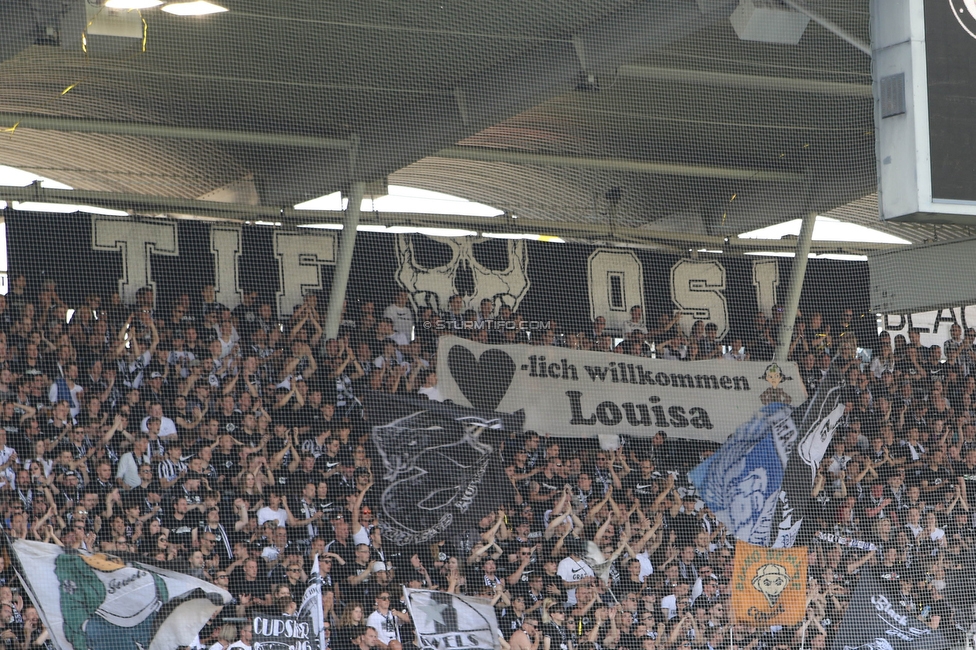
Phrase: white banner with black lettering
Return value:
(578, 393)
(933, 327)
(449, 622)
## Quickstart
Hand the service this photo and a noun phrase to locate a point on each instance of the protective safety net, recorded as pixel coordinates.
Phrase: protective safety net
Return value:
(429, 325)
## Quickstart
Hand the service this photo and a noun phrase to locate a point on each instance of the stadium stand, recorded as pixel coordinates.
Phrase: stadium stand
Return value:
(221, 443)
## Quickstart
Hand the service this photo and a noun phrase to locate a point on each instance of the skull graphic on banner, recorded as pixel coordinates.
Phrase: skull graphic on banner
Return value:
(433, 269)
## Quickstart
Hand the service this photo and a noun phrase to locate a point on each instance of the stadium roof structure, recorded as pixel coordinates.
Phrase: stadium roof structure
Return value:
(645, 122)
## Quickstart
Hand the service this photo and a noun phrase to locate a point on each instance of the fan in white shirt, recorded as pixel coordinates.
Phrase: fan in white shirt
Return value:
(166, 425)
(386, 621)
(681, 590)
(273, 511)
(636, 322)
(428, 380)
(244, 643)
(575, 572)
(399, 312)
(225, 637)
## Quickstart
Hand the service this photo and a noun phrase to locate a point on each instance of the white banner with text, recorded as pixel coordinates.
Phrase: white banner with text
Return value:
(579, 393)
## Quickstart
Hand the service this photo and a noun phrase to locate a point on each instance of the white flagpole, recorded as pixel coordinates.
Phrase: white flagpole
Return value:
(313, 602)
(317, 615)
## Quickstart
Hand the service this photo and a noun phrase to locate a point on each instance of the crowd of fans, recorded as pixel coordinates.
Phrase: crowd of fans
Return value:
(233, 445)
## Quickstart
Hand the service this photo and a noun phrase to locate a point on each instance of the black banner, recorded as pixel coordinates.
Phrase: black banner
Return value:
(816, 420)
(568, 283)
(284, 633)
(441, 474)
(876, 620)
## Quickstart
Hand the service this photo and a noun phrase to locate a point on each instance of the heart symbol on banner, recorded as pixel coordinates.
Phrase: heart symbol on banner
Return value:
(485, 380)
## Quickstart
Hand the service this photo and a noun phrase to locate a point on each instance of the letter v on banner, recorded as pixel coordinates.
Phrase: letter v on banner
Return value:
(138, 241)
(300, 259)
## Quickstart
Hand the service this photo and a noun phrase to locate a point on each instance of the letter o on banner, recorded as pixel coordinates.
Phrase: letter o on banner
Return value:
(609, 414)
(615, 280)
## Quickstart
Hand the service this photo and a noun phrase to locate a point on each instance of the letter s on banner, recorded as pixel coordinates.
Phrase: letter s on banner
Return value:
(138, 242)
(300, 259)
(696, 288)
(616, 283)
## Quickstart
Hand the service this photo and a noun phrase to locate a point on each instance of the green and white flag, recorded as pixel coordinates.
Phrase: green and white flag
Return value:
(98, 600)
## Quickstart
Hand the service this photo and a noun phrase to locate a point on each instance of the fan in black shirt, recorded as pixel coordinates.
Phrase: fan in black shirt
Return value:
(249, 588)
(559, 637)
(308, 418)
(936, 478)
(630, 583)
(181, 523)
(686, 524)
(11, 422)
(342, 484)
(103, 482)
(325, 503)
(226, 460)
(279, 441)
(328, 462)
(643, 484)
(306, 473)
(248, 433)
(229, 416)
(547, 486)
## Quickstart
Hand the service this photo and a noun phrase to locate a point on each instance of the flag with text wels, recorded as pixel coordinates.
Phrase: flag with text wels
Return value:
(448, 622)
(876, 620)
(98, 600)
(769, 585)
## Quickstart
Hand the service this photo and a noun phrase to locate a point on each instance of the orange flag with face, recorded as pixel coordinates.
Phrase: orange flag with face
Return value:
(769, 585)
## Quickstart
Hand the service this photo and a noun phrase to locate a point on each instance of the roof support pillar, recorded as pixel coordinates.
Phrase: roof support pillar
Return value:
(796, 286)
(340, 279)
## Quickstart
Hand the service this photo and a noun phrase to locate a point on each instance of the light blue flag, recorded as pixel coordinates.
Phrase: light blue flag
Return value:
(741, 482)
